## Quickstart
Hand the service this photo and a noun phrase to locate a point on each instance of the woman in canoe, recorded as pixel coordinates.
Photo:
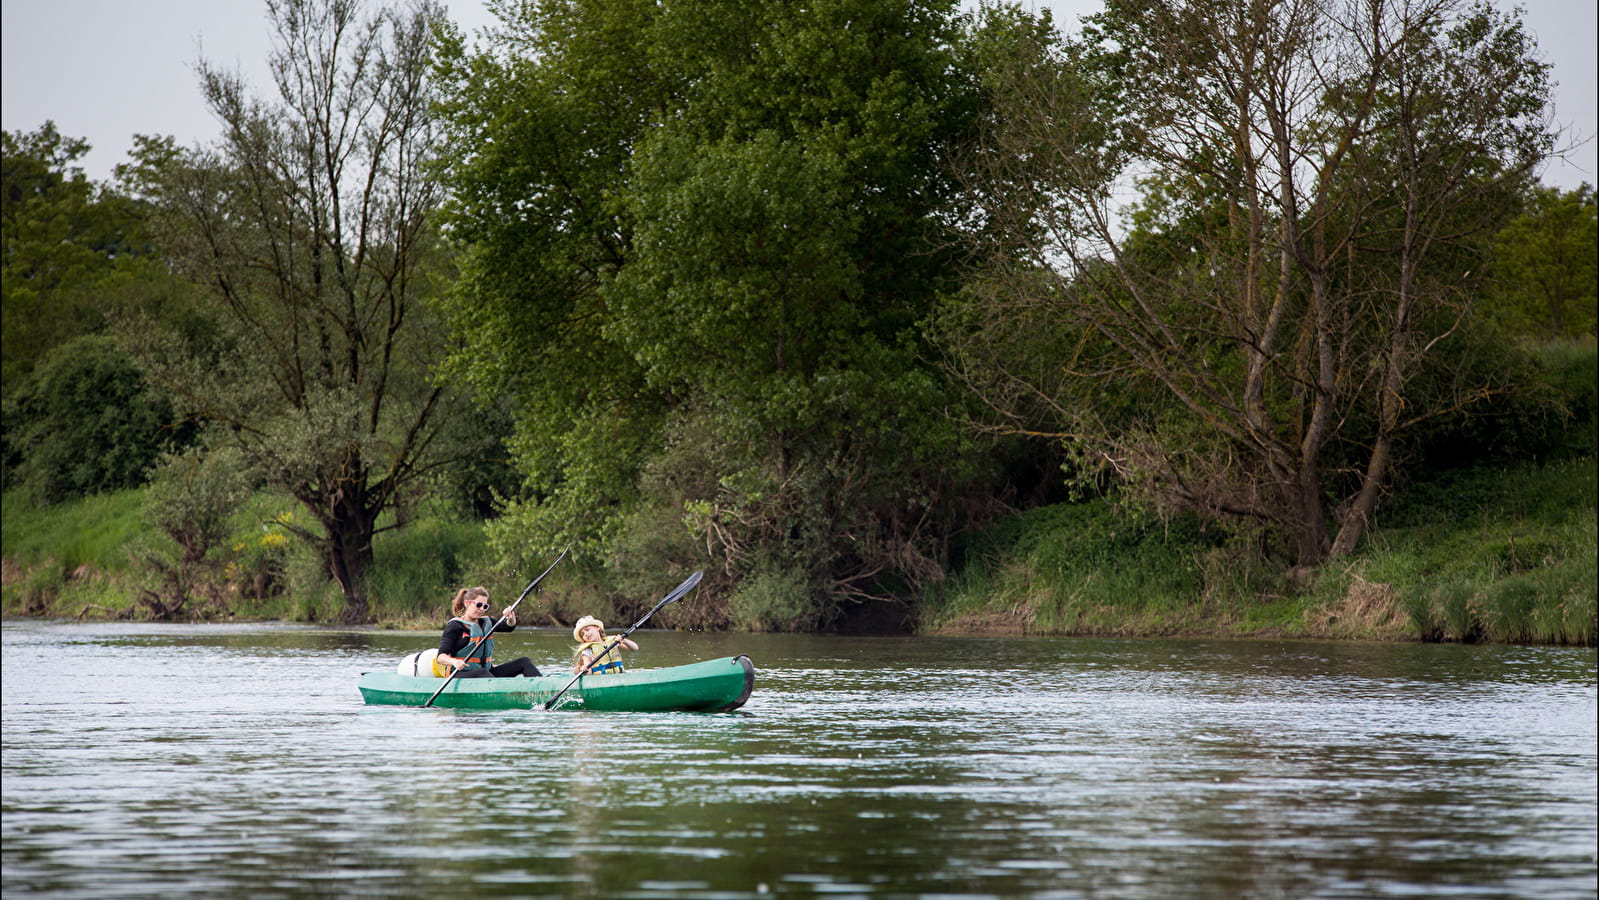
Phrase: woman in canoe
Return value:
(471, 621)
(590, 634)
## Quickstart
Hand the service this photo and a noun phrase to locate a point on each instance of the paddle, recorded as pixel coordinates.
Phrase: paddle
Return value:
(472, 651)
(676, 595)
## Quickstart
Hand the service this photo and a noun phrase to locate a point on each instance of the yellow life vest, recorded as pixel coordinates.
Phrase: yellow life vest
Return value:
(613, 660)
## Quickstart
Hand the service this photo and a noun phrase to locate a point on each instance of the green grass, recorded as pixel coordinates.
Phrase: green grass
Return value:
(71, 558)
(84, 558)
(95, 531)
(1502, 554)
(1496, 554)
(417, 569)
(1093, 568)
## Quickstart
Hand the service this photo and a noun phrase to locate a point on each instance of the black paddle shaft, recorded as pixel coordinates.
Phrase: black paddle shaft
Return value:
(471, 651)
(677, 594)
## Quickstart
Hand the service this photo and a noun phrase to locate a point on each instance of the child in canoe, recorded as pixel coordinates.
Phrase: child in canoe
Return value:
(592, 656)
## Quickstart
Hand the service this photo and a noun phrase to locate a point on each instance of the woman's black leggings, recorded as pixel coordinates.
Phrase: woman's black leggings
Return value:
(519, 666)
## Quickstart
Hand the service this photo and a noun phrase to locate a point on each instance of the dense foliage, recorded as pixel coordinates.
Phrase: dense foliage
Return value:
(64, 240)
(1546, 271)
(84, 422)
(76, 263)
(698, 242)
(1317, 186)
(833, 301)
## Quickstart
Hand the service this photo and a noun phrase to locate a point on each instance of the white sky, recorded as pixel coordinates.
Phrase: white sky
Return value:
(105, 70)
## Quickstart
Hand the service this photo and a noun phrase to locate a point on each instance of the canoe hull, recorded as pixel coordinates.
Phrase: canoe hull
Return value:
(716, 685)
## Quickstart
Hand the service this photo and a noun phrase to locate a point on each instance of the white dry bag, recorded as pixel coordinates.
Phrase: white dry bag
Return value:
(419, 664)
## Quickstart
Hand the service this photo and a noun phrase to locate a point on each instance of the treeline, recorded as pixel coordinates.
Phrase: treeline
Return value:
(803, 296)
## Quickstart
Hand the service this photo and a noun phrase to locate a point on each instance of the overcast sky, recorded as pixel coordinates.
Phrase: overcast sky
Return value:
(105, 70)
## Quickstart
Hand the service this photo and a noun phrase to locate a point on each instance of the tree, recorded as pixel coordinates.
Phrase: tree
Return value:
(1547, 264)
(69, 248)
(84, 422)
(699, 240)
(78, 416)
(1318, 182)
(309, 225)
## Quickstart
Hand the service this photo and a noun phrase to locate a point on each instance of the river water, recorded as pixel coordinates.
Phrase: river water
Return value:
(239, 761)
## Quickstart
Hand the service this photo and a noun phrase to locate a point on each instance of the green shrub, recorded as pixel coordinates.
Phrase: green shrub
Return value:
(1542, 406)
(418, 568)
(191, 503)
(84, 423)
(773, 599)
(1096, 567)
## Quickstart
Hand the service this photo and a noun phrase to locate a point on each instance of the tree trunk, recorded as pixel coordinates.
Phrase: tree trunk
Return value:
(350, 559)
(1353, 524)
(1309, 526)
(348, 522)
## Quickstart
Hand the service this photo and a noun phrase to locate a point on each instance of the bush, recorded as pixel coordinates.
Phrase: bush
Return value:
(192, 502)
(418, 568)
(84, 422)
(773, 599)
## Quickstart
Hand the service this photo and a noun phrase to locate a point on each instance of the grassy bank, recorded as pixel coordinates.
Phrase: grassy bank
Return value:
(71, 556)
(1485, 554)
(90, 559)
(1502, 554)
(1492, 551)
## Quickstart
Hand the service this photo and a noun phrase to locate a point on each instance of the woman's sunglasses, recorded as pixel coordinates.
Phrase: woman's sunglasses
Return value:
(480, 604)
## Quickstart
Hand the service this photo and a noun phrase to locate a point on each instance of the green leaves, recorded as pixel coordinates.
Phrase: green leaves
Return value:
(714, 225)
(79, 418)
(85, 422)
(67, 244)
(742, 256)
(1546, 263)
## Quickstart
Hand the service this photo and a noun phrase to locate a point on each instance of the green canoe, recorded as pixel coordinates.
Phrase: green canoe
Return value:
(716, 685)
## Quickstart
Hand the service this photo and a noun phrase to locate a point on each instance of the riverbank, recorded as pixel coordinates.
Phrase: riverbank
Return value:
(97, 559)
(1494, 554)
(1489, 554)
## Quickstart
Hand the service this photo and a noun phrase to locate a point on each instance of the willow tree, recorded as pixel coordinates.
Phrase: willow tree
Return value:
(309, 225)
(1317, 179)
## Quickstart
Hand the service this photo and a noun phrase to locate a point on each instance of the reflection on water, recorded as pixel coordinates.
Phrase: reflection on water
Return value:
(239, 761)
